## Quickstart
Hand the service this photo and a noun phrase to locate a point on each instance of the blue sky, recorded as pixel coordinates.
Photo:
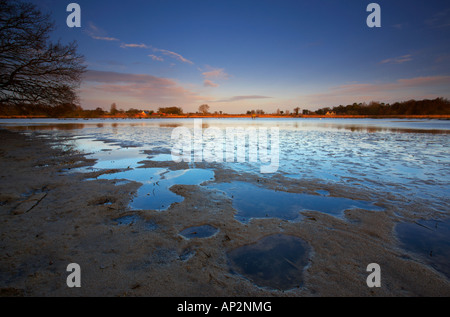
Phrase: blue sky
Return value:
(264, 54)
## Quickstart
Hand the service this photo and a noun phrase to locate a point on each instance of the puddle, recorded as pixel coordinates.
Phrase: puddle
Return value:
(162, 158)
(205, 231)
(428, 239)
(252, 201)
(275, 262)
(107, 155)
(155, 193)
(117, 159)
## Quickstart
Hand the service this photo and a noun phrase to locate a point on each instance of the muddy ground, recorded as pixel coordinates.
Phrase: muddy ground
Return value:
(50, 218)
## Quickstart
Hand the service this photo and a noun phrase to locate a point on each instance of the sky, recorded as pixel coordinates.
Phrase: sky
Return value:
(242, 55)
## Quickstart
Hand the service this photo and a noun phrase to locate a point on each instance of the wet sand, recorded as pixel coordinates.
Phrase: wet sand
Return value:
(49, 219)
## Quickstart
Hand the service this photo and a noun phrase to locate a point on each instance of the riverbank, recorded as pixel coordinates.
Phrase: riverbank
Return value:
(194, 116)
(50, 217)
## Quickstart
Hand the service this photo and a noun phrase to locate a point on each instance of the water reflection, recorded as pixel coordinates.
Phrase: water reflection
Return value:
(51, 127)
(135, 220)
(354, 125)
(252, 201)
(155, 193)
(389, 130)
(429, 240)
(275, 262)
(205, 231)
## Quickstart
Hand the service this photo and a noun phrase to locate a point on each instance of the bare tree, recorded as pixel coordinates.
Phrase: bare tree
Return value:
(32, 69)
(113, 110)
(203, 109)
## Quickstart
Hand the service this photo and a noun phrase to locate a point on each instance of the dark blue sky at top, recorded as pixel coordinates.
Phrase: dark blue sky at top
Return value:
(264, 54)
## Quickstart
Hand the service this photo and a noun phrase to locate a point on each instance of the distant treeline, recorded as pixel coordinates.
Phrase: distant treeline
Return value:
(438, 106)
(68, 110)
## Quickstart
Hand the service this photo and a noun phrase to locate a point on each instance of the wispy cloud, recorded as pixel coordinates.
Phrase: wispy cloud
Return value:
(215, 73)
(156, 58)
(97, 34)
(398, 60)
(239, 98)
(168, 53)
(173, 55)
(212, 73)
(124, 45)
(104, 38)
(209, 83)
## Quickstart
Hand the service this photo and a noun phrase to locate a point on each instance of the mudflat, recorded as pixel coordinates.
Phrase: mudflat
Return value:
(50, 218)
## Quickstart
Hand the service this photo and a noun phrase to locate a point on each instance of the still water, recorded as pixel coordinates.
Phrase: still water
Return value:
(409, 158)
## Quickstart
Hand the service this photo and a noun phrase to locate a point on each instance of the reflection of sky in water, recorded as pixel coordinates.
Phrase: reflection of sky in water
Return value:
(252, 201)
(132, 220)
(409, 158)
(155, 193)
(205, 231)
(428, 239)
(275, 262)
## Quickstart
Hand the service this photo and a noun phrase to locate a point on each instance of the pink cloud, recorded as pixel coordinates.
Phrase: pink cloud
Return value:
(209, 83)
(398, 60)
(215, 73)
(240, 98)
(173, 55)
(137, 89)
(97, 34)
(124, 45)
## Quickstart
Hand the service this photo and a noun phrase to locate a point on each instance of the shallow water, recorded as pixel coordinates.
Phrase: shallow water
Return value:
(252, 201)
(429, 240)
(391, 155)
(408, 158)
(135, 220)
(155, 193)
(205, 231)
(275, 262)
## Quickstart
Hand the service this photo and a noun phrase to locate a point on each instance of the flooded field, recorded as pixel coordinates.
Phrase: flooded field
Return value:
(336, 172)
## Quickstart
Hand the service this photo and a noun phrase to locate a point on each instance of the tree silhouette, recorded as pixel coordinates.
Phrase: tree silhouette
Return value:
(113, 110)
(32, 69)
(203, 109)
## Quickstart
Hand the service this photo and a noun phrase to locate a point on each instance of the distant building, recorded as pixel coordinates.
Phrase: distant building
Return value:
(330, 113)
